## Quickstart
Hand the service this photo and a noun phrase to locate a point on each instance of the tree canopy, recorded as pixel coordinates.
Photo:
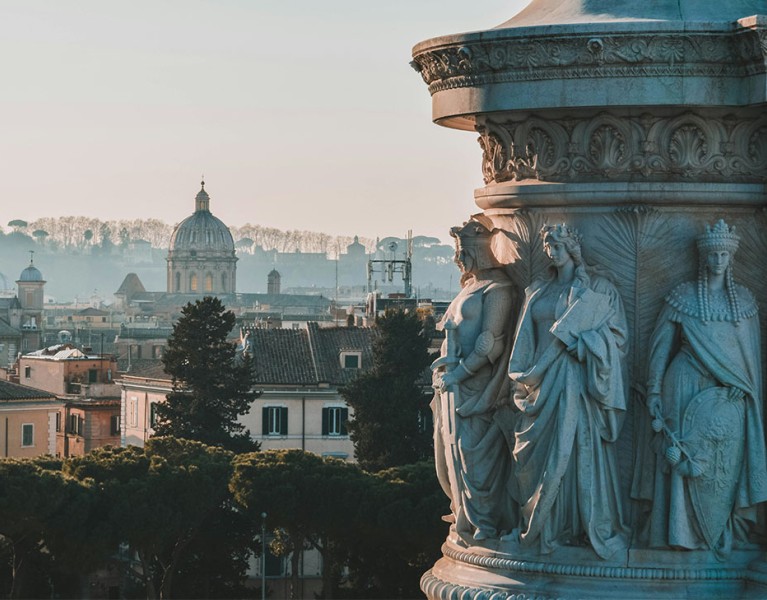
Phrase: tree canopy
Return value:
(211, 387)
(389, 404)
(189, 515)
(385, 527)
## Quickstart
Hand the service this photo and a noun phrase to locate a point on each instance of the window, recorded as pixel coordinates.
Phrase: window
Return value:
(178, 282)
(209, 282)
(76, 424)
(334, 420)
(275, 565)
(152, 414)
(193, 282)
(27, 435)
(114, 425)
(223, 282)
(27, 372)
(58, 421)
(351, 360)
(93, 376)
(275, 420)
(133, 412)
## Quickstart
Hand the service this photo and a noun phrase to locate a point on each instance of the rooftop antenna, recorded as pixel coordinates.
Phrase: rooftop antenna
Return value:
(389, 266)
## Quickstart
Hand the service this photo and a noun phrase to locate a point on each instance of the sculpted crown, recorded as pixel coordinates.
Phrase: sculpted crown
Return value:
(472, 233)
(560, 232)
(718, 237)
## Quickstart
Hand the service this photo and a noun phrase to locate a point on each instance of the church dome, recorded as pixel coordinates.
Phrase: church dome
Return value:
(202, 231)
(31, 273)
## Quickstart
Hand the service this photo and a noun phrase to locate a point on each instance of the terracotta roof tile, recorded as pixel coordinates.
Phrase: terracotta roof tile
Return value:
(13, 391)
(282, 356)
(308, 356)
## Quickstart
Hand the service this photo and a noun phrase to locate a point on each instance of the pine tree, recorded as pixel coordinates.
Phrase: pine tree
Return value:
(211, 388)
(388, 400)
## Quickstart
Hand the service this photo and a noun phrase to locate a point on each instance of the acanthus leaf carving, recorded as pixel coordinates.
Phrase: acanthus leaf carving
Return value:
(675, 148)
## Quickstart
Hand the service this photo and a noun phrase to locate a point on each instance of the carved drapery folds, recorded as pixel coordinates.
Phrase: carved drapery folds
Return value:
(684, 147)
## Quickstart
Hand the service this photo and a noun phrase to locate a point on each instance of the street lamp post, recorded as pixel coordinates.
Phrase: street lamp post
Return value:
(263, 556)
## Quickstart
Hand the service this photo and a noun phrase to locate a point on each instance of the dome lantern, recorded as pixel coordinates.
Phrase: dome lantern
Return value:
(202, 200)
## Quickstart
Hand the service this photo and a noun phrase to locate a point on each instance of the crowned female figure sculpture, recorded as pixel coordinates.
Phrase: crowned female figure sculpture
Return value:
(471, 453)
(567, 368)
(705, 398)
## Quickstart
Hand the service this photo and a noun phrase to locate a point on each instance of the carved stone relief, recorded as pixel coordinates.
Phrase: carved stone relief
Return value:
(470, 414)
(566, 367)
(577, 56)
(704, 395)
(685, 147)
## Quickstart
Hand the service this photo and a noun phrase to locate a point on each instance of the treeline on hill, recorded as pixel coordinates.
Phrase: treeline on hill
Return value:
(179, 519)
(88, 234)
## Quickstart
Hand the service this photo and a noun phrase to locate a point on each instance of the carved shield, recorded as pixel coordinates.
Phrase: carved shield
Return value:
(713, 431)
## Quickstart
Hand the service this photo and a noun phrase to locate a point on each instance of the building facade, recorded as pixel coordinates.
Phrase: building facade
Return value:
(28, 421)
(88, 414)
(299, 373)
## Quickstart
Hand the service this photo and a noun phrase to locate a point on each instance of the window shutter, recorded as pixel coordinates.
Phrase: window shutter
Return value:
(344, 418)
(325, 419)
(265, 420)
(283, 420)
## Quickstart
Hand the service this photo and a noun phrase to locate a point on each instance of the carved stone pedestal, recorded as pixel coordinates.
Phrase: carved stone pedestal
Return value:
(624, 154)
(502, 573)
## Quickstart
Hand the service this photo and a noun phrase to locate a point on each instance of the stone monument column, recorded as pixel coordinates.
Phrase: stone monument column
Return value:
(624, 132)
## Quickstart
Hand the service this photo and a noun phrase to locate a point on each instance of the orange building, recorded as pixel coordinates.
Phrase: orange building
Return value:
(85, 424)
(64, 370)
(28, 420)
(89, 407)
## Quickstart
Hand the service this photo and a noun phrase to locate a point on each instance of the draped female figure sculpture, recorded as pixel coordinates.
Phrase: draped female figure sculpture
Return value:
(472, 456)
(567, 368)
(705, 397)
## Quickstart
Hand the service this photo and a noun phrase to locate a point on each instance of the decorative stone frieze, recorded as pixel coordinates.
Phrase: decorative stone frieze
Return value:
(684, 147)
(540, 57)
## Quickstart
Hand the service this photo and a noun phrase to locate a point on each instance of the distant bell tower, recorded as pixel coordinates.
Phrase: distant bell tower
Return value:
(31, 290)
(273, 282)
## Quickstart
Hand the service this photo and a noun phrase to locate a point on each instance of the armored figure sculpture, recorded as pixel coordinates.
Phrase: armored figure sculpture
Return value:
(471, 453)
(568, 372)
(705, 398)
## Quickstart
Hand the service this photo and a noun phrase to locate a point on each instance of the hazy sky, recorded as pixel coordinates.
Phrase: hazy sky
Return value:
(302, 114)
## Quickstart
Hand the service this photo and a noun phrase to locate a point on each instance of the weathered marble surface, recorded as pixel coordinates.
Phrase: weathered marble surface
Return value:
(704, 395)
(470, 403)
(568, 371)
(638, 125)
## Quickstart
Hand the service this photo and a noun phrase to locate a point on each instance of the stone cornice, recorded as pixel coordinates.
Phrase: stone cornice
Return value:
(530, 55)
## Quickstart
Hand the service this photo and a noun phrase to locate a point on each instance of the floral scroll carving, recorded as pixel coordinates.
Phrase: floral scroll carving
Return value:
(506, 59)
(678, 148)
